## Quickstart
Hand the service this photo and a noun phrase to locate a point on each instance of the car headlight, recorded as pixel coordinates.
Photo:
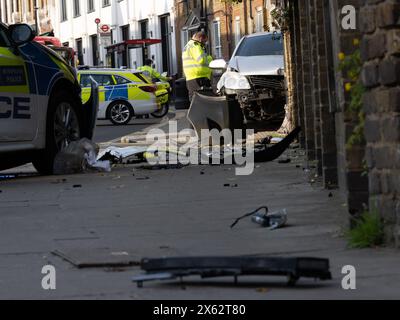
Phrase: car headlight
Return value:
(234, 81)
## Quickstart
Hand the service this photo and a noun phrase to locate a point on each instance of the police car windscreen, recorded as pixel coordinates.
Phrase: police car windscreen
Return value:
(267, 45)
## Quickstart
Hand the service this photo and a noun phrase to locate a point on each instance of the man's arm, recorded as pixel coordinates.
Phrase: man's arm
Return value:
(200, 55)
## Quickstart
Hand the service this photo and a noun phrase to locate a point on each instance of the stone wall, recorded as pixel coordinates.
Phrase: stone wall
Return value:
(380, 49)
(321, 101)
(351, 170)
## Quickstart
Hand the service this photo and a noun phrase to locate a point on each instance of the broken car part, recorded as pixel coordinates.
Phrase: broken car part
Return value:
(262, 152)
(212, 267)
(260, 216)
(265, 153)
(273, 220)
(206, 111)
(119, 155)
(78, 157)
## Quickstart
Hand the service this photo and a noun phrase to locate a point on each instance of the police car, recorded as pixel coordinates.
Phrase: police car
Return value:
(123, 94)
(41, 110)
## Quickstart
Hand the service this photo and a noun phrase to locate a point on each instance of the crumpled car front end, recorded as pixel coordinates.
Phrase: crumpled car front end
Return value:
(258, 84)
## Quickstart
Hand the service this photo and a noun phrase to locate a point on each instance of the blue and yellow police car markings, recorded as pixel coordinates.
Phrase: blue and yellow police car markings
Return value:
(45, 71)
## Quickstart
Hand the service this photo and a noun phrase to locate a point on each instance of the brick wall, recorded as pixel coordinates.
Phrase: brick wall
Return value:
(380, 49)
(321, 102)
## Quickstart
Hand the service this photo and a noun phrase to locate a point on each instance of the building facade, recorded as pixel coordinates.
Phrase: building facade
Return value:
(32, 12)
(127, 19)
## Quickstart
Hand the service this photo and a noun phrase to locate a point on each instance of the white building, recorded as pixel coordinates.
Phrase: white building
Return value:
(16, 11)
(74, 23)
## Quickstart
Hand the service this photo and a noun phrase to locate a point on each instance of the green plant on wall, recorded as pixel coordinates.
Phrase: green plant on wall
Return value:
(282, 18)
(368, 231)
(351, 66)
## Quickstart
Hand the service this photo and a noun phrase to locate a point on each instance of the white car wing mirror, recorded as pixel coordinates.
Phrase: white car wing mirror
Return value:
(218, 64)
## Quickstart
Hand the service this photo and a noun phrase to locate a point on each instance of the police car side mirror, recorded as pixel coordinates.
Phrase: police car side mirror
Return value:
(21, 33)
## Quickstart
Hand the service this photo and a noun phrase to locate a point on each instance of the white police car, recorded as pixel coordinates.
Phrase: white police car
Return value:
(41, 110)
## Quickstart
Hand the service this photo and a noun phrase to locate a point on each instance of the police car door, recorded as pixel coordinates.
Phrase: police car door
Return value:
(18, 120)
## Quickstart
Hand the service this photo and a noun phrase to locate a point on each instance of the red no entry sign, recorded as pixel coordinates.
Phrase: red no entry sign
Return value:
(97, 21)
(105, 28)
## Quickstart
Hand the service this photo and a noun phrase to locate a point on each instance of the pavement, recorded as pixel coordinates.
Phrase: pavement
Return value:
(132, 213)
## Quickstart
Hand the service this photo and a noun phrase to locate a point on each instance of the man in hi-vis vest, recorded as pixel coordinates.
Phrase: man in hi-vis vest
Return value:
(195, 63)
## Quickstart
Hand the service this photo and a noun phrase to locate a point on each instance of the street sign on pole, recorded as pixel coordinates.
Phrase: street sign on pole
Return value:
(105, 28)
(97, 21)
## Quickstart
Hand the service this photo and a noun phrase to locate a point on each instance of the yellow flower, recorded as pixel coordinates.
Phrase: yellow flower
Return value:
(341, 56)
(348, 86)
(356, 41)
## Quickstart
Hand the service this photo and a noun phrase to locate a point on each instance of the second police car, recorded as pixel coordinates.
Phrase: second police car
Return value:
(123, 94)
(41, 110)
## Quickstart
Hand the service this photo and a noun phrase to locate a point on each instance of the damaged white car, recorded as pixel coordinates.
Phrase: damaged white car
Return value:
(254, 76)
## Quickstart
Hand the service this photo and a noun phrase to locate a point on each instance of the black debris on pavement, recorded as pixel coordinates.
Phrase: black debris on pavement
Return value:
(143, 178)
(75, 186)
(209, 267)
(162, 167)
(227, 185)
(266, 140)
(266, 154)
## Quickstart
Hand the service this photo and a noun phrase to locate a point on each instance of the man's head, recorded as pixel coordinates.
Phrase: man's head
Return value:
(201, 37)
(148, 62)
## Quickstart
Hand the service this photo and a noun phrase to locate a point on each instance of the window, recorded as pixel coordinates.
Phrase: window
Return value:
(121, 80)
(264, 45)
(106, 3)
(63, 8)
(125, 34)
(184, 37)
(259, 21)
(77, 9)
(90, 6)
(85, 81)
(217, 39)
(101, 79)
(238, 33)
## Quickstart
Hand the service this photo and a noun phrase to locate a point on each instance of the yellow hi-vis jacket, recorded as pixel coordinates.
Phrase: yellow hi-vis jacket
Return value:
(196, 61)
(151, 73)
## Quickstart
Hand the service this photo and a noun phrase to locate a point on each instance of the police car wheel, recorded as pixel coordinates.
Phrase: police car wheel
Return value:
(64, 125)
(162, 112)
(120, 113)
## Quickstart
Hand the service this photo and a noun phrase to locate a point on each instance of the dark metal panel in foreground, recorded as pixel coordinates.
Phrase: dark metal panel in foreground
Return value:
(208, 267)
